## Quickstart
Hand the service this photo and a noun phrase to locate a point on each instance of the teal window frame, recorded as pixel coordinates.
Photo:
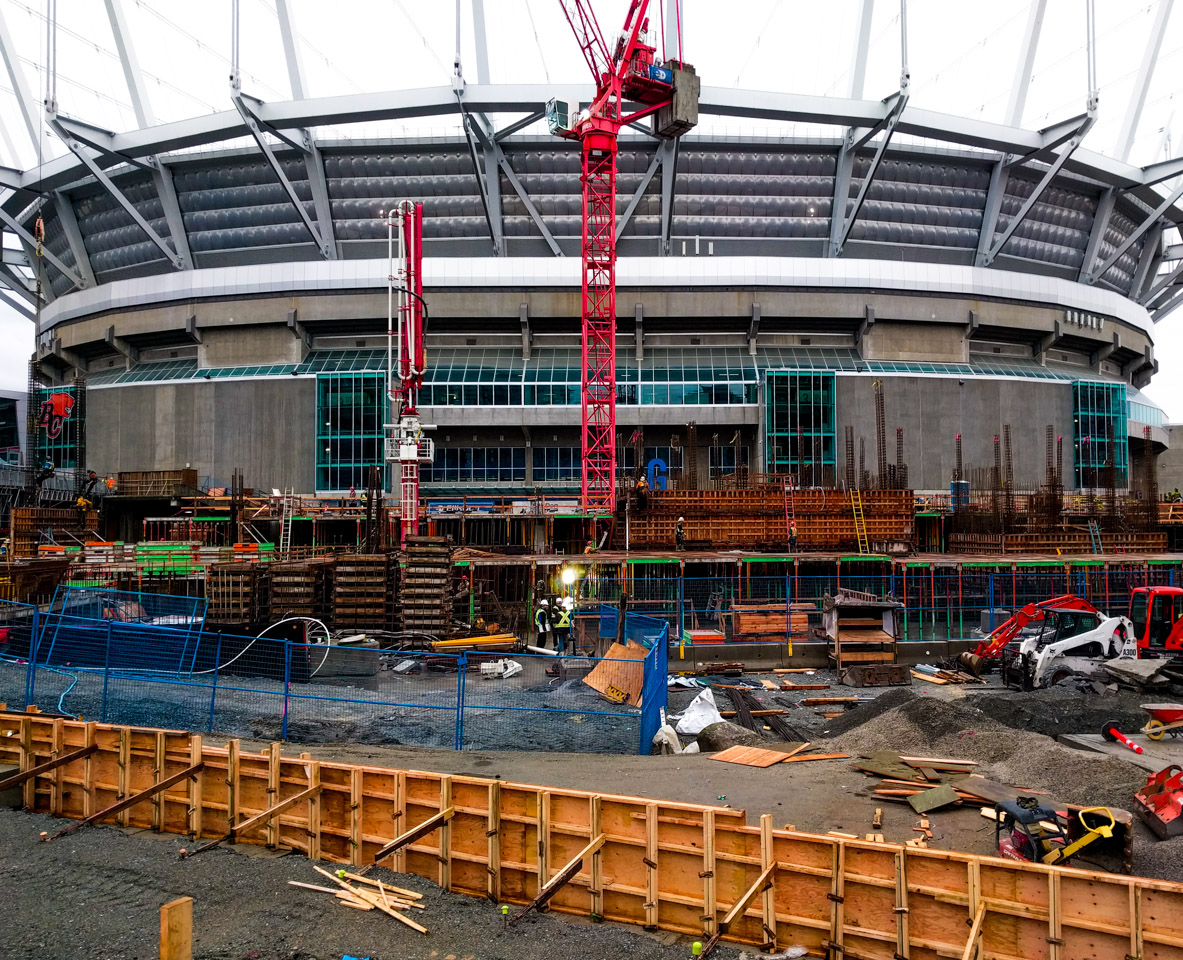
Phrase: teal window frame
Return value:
(1100, 411)
(350, 410)
(800, 433)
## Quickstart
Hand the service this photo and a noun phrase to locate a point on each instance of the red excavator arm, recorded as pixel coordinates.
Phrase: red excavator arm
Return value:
(993, 645)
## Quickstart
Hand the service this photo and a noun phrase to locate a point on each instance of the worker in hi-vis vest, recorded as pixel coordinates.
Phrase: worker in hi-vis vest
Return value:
(542, 622)
(562, 624)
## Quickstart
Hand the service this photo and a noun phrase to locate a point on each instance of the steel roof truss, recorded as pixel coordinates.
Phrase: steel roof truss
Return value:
(79, 150)
(1145, 225)
(856, 139)
(491, 144)
(14, 225)
(634, 201)
(322, 236)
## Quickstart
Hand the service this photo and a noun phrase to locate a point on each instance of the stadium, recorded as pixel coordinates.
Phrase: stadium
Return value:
(226, 305)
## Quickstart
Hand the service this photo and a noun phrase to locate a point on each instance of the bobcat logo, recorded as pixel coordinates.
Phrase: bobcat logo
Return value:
(54, 413)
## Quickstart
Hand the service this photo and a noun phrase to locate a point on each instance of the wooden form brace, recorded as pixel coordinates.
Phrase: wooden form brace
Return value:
(648, 861)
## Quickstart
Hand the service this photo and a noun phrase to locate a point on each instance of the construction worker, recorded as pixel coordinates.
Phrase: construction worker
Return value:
(590, 548)
(680, 534)
(642, 492)
(542, 622)
(793, 535)
(562, 626)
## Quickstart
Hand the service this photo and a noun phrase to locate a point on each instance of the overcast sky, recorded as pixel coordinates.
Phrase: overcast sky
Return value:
(962, 59)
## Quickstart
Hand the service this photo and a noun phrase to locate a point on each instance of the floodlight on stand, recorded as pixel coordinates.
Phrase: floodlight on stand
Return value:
(568, 576)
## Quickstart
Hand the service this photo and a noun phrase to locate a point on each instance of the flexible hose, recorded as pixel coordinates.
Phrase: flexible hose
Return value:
(73, 680)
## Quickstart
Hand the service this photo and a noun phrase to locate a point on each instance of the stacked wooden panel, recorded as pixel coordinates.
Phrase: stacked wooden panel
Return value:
(360, 591)
(758, 518)
(424, 595)
(68, 525)
(237, 593)
(301, 589)
(1058, 543)
(768, 620)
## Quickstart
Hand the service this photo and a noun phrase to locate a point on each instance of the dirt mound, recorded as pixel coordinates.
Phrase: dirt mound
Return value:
(857, 716)
(959, 730)
(1061, 710)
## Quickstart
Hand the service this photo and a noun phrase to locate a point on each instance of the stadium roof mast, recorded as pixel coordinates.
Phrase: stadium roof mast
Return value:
(625, 73)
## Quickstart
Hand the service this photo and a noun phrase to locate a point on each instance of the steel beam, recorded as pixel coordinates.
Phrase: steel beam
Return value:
(1148, 263)
(484, 174)
(1145, 225)
(1105, 205)
(1163, 170)
(996, 247)
(17, 284)
(69, 224)
(847, 219)
(131, 64)
(291, 48)
(79, 150)
(15, 226)
(15, 305)
(1025, 64)
(490, 145)
(258, 130)
(480, 41)
(1133, 114)
(517, 125)
(635, 200)
(30, 109)
(669, 177)
(162, 179)
(858, 71)
(1168, 307)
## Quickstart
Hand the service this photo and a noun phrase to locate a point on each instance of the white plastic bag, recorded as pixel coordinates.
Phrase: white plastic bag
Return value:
(701, 713)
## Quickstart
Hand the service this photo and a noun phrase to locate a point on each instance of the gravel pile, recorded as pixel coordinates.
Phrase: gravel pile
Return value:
(959, 730)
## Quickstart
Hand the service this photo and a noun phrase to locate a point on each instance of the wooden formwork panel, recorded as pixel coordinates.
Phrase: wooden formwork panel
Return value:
(676, 866)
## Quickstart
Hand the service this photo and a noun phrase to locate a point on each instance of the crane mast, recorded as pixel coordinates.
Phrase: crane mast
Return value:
(628, 73)
(406, 359)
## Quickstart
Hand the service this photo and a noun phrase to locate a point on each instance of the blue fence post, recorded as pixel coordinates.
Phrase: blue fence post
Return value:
(681, 604)
(213, 695)
(287, 686)
(106, 675)
(31, 672)
(788, 612)
(461, 679)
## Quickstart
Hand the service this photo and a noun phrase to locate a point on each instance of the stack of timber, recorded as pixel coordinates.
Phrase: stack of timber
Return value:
(687, 868)
(360, 591)
(425, 596)
(156, 483)
(237, 593)
(756, 518)
(33, 525)
(301, 589)
(860, 629)
(768, 620)
(1050, 543)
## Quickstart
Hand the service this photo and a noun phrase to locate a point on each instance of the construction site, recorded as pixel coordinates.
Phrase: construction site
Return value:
(600, 523)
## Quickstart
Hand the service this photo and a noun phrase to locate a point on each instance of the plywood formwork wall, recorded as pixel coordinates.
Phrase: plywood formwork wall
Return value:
(674, 866)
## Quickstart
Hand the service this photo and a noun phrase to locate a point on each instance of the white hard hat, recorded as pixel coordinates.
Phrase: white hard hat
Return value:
(568, 602)
(680, 519)
(544, 603)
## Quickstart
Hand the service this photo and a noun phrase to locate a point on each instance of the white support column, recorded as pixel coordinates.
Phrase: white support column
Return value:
(30, 109)
(1025, 64)
(291, 48)
(858, 70)
(131, 64)
(1129, 125)
(481, 41)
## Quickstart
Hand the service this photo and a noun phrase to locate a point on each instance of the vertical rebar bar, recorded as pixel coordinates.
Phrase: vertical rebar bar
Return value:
(880, 437)
(849, 457)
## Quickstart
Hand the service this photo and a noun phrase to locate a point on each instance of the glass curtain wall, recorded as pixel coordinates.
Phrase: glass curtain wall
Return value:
(799, 421)
(1100, 433)
(349, 416)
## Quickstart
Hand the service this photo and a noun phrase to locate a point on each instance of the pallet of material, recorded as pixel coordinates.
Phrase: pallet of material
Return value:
(359, 591)
(235, 593)
(675, 866)
(749, 620)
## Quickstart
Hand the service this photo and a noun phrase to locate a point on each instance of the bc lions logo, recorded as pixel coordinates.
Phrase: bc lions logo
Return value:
(54, 413)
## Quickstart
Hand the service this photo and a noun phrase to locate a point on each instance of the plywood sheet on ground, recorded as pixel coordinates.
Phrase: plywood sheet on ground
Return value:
(750, 756)
(617, 679)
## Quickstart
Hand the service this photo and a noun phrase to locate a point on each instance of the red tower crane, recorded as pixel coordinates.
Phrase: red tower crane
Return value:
(625, 74)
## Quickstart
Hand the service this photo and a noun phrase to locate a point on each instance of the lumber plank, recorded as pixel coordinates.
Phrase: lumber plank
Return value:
(157, 775)
(903, 943)
(709, 898)
(445, 835)
(651, 860)
(374, 901)
(749, 756)
(355, 802)
(271, 814)
(560, 879)
(196, 787)
(768, 894)
(55, 794)
(597, 858)
(129, 802)
(274, 759)
(934, 798)
(176, 929)
(818, 756)
(493, 832)
(232, 782)
(975, 931)
(17, 779)
(430, 825)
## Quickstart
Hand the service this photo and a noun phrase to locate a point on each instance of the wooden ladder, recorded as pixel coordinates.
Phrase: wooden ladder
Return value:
(860, 521)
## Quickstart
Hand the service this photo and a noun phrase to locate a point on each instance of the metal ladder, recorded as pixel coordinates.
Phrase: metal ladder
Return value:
(285, 521)
(1095, 537)
(790, 506)
(860, 522)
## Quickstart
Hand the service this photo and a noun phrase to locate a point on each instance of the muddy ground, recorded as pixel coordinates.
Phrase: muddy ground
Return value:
(97, 895)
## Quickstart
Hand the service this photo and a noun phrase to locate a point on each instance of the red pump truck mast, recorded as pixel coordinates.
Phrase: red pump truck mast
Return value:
(626, 73)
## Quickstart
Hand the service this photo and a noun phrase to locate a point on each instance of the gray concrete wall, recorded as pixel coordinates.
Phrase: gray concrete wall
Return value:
(936, 342)
(239, 346)
(933, 410)
(267, 427)
(1170, 460)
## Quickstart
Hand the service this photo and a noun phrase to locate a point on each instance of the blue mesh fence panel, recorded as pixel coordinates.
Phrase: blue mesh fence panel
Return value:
(366, 695)
(18, 627)
(654, 691)
(547, 707)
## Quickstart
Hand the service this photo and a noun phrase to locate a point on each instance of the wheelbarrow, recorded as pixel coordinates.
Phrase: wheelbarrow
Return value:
(1164, 718)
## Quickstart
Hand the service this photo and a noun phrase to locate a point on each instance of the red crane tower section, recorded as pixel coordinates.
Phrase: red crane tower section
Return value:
(627, 74)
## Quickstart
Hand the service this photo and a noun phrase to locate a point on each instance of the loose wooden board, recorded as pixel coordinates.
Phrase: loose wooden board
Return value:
(990, 790)
(934, 799)
(818, 756)
(612, 672)
(749, 756)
